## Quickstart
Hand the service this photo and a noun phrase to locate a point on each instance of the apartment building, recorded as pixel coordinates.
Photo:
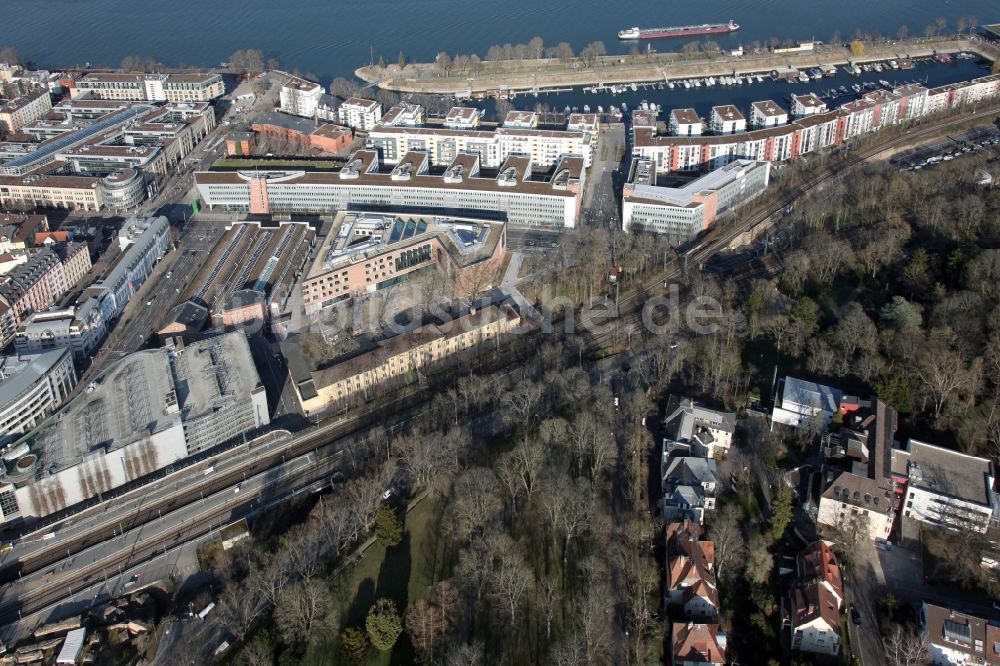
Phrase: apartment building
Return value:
(727, 119)
(693, 644)
(767, 113)
(681, 213)
(31, 388)
(514, 194)
(20, 111)
(690, 575)
(815, 602)
(684, 122)
(463, 117)
(694, 429)
(141, 87)
(953, 638)
(361, 114)
(815, 126)
(300, 97)
(398, 360)
(443, 144)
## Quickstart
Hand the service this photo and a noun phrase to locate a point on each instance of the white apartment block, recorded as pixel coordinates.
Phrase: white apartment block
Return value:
(807, 105)
(299, 97)
(362, 114)
(463, 117)
(727, 119)
(686, 122)
(767, 114)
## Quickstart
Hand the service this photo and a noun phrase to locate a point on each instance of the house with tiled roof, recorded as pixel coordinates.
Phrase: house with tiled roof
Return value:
(691, 582)
(694, 644)
(813, 606)
(814, 616)
(818, 563)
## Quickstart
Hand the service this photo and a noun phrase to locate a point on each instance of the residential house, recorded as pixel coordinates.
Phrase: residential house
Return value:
(953, 638)
(697, 430)
(689, 488)
(697, 644)
(691, 582)
(814, 616)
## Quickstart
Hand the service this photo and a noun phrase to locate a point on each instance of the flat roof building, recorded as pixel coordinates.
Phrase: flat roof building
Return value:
(766, 113)
(31, 388)
(148, 410)
(250, 257)
(186, 87)
(361, 114)
(681, 213)
(300, 97)
(373, 250)
(514, 194)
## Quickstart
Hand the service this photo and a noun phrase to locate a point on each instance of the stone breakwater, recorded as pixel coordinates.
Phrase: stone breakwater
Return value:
(660, 67)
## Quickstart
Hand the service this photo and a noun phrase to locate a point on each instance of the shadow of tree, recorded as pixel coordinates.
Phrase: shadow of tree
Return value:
(393, 583)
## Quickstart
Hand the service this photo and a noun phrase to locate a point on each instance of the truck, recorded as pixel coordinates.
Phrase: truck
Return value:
(203, 613)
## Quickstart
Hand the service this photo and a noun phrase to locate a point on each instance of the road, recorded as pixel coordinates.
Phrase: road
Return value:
(600, 203)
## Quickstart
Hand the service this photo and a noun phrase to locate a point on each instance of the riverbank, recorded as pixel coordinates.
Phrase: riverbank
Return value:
(493, 77)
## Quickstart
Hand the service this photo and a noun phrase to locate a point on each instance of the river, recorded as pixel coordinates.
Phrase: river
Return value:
(330, 38)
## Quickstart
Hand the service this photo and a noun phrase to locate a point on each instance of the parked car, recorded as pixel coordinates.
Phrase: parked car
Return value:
(855, 616)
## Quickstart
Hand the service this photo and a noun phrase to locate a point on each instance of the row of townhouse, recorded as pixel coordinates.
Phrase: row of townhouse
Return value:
(39, 283)
(692, 588)
(688, 150)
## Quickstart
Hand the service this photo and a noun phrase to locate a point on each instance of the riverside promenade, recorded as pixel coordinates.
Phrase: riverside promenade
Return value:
(657, 67)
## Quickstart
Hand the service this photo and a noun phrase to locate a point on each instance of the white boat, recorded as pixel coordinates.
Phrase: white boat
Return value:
(878, 67)
(697, 83)
(670, 84)
(634, 87)
(710, 81)
(586, 108)
(803, 77)
(600, 109)
(687, 84)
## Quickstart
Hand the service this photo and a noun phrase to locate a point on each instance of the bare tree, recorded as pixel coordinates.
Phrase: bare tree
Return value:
(520, 405)
(568, 507)
(425, 623)
(903, 648)
(475, 502)
(301, 609)
(510, 577)
(241, 606)
(729, 543)
(943, 371)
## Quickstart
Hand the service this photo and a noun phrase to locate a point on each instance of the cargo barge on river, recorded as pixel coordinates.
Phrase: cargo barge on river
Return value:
(679, 31)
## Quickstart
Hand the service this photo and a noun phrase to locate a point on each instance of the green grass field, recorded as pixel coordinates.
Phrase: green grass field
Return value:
(267, 163)
(402, 573)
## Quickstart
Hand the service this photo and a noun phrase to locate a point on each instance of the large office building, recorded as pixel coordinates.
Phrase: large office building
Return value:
(150, 409)
(140, 87)
(681, 213)
(94, 154)
(374, 250)
(31, 388)
(514, 194)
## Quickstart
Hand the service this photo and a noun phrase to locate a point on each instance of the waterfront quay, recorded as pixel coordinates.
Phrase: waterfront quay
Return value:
(527, 75)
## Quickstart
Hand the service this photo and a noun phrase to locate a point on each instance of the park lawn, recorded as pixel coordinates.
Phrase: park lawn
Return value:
(402, 573)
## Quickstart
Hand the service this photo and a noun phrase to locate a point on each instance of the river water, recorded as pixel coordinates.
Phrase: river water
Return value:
(330, 38)
(333, 37)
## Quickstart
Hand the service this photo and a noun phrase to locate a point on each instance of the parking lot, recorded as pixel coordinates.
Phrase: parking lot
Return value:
(977, 140)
